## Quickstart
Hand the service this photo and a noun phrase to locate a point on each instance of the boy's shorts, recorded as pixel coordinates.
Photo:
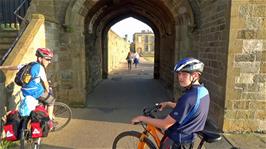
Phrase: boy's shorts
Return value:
(47, 98)
(167, 143)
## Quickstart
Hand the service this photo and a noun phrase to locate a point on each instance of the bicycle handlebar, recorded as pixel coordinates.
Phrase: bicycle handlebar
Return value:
(149, 111)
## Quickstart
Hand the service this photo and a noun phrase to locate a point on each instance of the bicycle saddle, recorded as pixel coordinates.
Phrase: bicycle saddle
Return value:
(210, 136)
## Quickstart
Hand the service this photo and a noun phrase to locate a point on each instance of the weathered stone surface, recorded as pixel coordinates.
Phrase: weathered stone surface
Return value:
(260, 78)
(250, 46)
(247, 34)
(245, 58)
(244, 105)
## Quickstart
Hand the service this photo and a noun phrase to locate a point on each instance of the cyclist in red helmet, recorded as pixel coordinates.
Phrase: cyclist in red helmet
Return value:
(189, 113)
(38, 86)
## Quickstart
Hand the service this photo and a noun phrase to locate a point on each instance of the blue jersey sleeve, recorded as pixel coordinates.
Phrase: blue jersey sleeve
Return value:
(182, 108)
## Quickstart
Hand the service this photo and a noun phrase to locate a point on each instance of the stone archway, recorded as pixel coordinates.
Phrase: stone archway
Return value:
(178, 34)
(105, 13)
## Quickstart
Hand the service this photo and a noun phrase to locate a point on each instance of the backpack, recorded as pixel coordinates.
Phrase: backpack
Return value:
(12, 126)
(23, 76)
(39, 122)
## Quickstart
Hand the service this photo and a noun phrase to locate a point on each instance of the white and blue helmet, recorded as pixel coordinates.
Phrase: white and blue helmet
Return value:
(189, 65)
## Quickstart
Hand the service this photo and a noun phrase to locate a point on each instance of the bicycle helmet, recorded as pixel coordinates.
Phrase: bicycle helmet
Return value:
(189, 65)
(44, 53)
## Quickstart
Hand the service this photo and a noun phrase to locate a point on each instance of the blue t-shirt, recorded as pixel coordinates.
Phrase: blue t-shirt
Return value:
(34, 88)
(184, 131)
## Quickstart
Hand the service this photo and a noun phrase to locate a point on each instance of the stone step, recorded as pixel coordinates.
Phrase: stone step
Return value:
(4, 46)
(2, 53)
(7, 40)
(8, 34)
(7, 37)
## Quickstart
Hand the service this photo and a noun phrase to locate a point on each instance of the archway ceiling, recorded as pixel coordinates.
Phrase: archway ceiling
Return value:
(153, 12)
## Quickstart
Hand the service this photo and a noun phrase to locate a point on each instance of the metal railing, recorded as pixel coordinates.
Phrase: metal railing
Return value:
(8, 7)
(19, 14)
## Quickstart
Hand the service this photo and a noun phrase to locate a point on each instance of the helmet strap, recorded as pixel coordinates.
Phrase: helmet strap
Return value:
(191, 83)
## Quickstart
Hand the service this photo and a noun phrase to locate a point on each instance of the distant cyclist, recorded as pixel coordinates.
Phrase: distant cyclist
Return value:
(189, 113)
(38, 87)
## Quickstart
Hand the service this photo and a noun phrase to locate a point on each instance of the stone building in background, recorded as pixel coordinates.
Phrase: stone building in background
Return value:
(144, 42)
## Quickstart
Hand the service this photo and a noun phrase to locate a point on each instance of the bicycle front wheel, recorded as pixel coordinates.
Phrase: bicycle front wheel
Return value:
(22, 139)
(62, 114)
(35, 143)
(132, 140)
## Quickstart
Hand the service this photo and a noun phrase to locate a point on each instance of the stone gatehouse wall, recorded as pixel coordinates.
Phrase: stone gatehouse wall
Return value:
(246, 76)
(74, 71)
(207, 40)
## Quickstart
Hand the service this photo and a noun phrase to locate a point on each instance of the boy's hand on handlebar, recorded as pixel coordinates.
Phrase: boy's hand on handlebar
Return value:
(163, 105)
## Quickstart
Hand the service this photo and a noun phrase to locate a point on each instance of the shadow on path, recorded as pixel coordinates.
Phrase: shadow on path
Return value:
(124, 94)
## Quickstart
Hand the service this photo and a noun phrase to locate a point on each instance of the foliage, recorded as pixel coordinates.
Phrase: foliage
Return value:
(7, 144)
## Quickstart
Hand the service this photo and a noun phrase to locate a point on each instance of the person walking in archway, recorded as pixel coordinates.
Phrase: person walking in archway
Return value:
(136, 59)
(129, 59)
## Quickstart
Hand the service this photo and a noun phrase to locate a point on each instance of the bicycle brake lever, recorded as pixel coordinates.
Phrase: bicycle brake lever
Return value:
(158, 106)
(136, 123)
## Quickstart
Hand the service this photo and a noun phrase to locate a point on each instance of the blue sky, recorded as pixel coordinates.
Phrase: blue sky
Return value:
(129, 26)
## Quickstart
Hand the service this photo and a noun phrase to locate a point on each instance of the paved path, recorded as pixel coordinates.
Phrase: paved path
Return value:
(109, 109)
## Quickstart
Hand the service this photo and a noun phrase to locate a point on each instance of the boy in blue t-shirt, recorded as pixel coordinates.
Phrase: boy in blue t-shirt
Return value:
(189, 113)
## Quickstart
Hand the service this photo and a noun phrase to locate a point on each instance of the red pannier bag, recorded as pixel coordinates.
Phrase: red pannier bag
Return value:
(39, 122)
(12, 126)
(36, 130)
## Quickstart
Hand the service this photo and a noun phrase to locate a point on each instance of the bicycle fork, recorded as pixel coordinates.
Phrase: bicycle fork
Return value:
(141, 143)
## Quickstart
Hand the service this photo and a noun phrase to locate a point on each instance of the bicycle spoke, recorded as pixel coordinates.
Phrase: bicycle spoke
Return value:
(62, 115)
(60, 111)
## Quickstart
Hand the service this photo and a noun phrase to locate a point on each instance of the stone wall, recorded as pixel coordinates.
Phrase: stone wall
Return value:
(246, 76)
(67, 70)
(118, 49)
(205, 37)
(74, 70)
(210, 44)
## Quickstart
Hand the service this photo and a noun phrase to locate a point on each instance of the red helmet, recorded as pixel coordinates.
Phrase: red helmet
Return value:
(44, 52)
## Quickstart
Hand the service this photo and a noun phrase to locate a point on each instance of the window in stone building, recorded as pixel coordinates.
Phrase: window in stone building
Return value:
(151, 39)
(146, 39)
(139, 39)
(146, 48)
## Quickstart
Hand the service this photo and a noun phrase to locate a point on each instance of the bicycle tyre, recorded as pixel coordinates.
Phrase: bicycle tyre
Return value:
(128, 135)
(22, 139)
(35, 143)
(63, 115)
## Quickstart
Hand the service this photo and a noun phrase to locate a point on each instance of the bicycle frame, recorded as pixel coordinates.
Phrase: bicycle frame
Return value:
(153, 131)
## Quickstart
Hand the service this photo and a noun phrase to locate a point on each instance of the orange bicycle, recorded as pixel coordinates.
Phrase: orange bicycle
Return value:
(150, 139)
